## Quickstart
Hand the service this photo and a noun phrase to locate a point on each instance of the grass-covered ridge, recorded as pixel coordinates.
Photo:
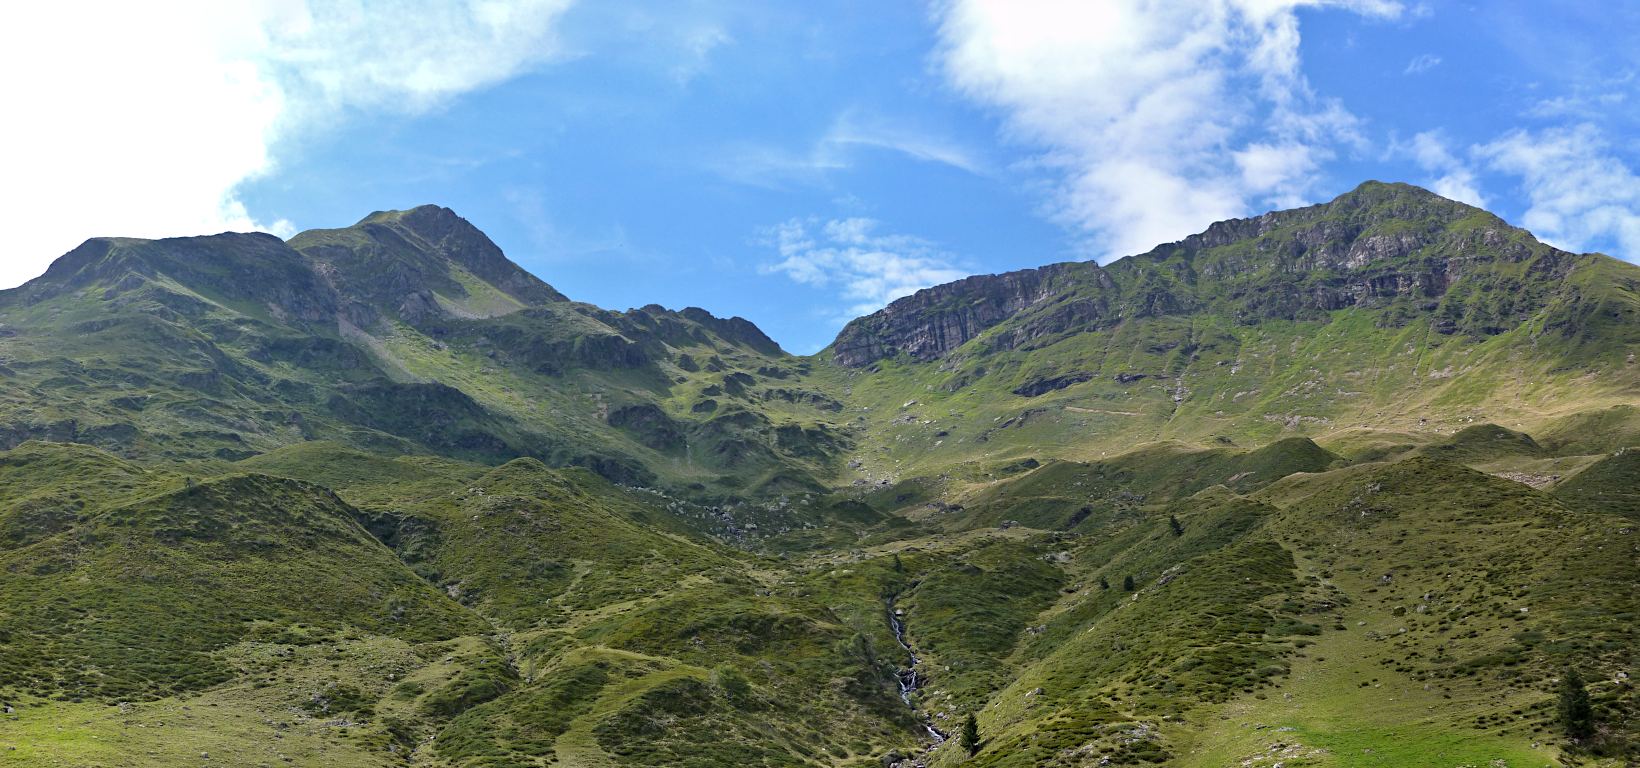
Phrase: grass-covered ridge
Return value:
(132, 597)
(1347, 485)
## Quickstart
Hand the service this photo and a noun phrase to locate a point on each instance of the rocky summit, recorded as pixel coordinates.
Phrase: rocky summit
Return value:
(1395, 250)
(1346, 485)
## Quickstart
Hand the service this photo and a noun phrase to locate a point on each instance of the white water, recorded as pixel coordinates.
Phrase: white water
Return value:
(909, 681)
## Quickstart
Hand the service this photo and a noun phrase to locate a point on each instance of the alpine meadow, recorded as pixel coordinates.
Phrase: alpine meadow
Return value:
(1352, 483)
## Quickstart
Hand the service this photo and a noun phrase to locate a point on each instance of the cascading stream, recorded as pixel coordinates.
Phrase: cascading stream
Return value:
(908, 679)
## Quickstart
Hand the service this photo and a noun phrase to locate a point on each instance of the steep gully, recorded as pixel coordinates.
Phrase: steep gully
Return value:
(909, 680)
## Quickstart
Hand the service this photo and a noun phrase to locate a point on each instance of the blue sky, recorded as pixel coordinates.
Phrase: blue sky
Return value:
(802, 163)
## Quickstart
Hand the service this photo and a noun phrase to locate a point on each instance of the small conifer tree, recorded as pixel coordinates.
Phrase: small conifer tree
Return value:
(1178, 528)
(1127, 582)
(1576, 713)
(1103, 584)
(970, 734)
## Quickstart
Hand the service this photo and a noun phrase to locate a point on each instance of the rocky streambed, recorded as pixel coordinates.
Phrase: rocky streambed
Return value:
(909, 678)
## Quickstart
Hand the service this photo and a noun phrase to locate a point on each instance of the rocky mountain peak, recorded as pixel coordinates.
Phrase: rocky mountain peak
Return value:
(1375, 245)
(441, 231)
(1373, 221)
(422, 264)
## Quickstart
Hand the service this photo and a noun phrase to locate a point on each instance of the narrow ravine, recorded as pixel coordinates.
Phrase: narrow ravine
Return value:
(909, 679)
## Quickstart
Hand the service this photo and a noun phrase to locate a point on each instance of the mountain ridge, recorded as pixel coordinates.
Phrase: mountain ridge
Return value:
(417, 298)
(439, 230)
(943, 318)
(1344, 485)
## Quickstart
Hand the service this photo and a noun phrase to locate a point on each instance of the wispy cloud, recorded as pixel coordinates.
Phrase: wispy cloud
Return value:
(677, 41)
(146, 123)
(1422, 63)
(697, 47)
(1578, 191)
(1594, 101)
(842, 147)
(1157, 116)
(856, 130)
(867, 268)
(773, 167)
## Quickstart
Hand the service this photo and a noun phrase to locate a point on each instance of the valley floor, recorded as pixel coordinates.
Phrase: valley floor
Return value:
(1409, 611)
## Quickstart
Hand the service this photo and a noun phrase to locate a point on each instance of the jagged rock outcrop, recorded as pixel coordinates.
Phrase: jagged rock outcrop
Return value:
(1043, 386)
(649, 425)
(934, 321)
(736, 330)
(690, 325)
(1391, 247)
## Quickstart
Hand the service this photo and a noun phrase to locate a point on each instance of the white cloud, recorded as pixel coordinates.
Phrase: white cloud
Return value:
(1283, 168)
(868, 269)
(679, 41)
(856, 130)
(1455, 178)
(772, 167)
(839, 148)
(143, 119)
(697, 45)
(1579, 193)
(1160, 116)
(1582, 104)
(1422, 63)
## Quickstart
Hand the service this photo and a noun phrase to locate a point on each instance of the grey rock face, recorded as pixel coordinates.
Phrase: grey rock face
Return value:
(934, 321)
(1379, 246)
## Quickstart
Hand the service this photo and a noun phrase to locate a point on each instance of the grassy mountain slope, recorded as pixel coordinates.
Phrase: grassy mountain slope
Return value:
(1065, 495)
(128, 596)
(1303, 615)
(1344, 485)
(409, 332)
(1388, 310)
(528, 613)
(1611, 484)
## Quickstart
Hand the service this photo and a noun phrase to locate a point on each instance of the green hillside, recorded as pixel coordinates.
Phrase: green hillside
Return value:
(1347, 485)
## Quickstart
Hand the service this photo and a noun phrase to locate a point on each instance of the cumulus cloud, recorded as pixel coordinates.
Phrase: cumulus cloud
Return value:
(869, 269)
(1578, 191)
(1157, 116)
(1455, 177)
(143, 119)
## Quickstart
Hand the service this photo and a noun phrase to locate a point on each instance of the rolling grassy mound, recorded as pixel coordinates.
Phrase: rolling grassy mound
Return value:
(1611, 484)
(131, 598)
